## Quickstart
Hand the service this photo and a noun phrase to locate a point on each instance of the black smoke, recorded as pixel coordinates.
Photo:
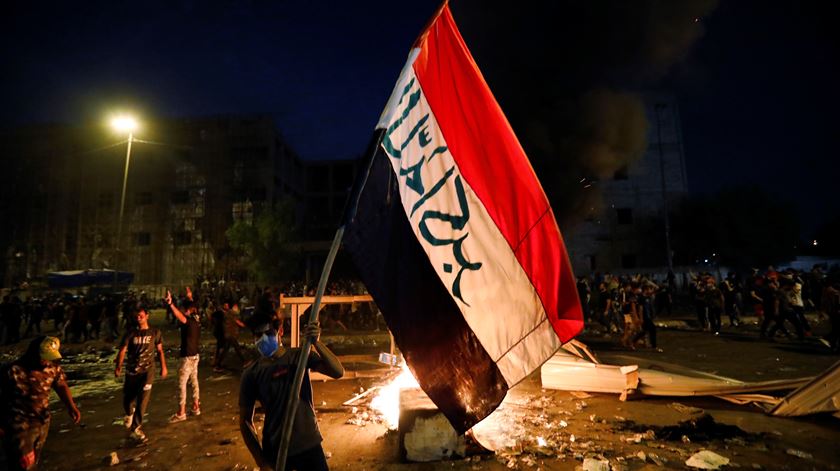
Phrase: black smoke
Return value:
(568, 75)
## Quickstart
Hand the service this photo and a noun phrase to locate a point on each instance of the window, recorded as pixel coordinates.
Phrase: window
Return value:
(621, 174)
(251, 154)
(257, 193)
(142, 239)
(182, 238)
(143, 198)
(628, 260)
(106, 200)
(624, 215)
(180, 197)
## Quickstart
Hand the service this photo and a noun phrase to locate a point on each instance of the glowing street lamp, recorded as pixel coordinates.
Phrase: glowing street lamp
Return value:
(123, 124)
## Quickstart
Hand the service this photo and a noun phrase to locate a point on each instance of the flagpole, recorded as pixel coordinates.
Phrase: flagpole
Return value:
(349, 213)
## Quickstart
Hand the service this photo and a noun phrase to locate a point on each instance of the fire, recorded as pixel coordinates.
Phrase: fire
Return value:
(387, 401)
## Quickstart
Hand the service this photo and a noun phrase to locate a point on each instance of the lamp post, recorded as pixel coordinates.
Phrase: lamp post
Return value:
(122, 124)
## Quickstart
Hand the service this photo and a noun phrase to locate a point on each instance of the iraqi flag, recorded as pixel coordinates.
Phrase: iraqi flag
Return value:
(455, 238)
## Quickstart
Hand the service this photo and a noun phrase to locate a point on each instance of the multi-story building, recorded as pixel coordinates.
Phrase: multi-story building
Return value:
(188, 180)
(628, 232)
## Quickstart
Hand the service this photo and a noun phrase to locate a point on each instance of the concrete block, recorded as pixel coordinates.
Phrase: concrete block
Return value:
(424, 432)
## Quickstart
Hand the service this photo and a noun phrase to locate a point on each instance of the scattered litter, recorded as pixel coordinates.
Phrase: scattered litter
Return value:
(111, 460)
(592, 464)
(580, 394)
(64, 430)
(686, 409)
(706, 459)
(799, 454)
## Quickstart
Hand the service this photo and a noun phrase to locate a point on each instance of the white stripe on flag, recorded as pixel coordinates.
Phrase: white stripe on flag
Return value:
(497, 299)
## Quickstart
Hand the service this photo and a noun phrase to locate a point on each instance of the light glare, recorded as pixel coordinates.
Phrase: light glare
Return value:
(124, 124)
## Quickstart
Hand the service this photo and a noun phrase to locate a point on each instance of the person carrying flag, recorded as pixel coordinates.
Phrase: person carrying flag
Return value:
(269, 381)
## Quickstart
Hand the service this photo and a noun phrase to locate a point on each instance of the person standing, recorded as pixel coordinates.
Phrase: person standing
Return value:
(25, 386)
(230, 325)
(190, 324)
(831, 306)
(138, 348)
(269, 381)
(714, 301)
(648, 325)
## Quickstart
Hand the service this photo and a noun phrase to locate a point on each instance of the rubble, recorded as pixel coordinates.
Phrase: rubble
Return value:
(706, 459)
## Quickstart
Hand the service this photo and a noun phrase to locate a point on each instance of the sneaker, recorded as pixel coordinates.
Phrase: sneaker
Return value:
(177, 418)
(138, 435)
(196, 410)
(128, 420)
(217, 369)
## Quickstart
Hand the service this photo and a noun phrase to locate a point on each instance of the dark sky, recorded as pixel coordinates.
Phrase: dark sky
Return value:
(758, 89)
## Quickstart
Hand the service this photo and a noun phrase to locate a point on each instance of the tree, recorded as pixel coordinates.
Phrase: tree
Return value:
(738, 227)
(268, 244)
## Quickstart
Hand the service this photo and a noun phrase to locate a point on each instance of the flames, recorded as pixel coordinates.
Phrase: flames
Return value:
(387, 400)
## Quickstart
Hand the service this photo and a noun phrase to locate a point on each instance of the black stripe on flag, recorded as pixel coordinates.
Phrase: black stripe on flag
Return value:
(442, 351)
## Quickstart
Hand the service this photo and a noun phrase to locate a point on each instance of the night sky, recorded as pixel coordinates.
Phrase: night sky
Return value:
(757, 85)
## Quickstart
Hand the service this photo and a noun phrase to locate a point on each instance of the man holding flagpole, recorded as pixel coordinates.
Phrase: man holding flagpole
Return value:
(448, 224)
(269, 381)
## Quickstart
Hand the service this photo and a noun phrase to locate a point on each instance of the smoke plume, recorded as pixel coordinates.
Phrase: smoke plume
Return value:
(567, 74)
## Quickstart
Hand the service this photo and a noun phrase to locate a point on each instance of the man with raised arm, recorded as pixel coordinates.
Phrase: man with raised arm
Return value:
(190, 323)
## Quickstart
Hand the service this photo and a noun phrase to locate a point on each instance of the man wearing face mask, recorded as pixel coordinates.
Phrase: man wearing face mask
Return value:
(25, 386)
(269, 381)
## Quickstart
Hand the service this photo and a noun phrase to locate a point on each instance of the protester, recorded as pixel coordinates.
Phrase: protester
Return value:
(140, 345)
(190, 324)
(25, 401)
(229, 334)
(269, 381)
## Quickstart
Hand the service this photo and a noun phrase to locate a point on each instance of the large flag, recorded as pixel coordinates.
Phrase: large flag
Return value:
(455, 238)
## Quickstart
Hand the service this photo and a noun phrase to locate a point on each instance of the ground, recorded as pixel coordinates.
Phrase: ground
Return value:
(603, 427)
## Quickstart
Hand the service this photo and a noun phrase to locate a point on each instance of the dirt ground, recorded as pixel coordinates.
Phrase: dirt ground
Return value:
(602, 426)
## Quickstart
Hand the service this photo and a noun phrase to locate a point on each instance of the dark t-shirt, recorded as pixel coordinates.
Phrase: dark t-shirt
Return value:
(217, 319)
(190, 336)
(269, 381)
(141, 345)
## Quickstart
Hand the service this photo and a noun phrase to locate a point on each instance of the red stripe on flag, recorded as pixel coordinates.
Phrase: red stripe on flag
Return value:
(494, 164)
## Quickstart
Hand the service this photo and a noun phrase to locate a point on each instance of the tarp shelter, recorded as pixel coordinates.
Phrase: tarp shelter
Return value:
(81, 278)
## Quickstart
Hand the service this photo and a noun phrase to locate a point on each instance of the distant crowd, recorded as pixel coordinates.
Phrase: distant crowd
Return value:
(78, 318)
(629, 304)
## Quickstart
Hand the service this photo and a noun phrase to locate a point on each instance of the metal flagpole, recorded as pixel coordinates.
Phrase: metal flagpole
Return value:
(349, 213)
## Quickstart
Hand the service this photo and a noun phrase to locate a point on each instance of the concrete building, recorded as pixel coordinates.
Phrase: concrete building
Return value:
(188, 180)
(628, 233)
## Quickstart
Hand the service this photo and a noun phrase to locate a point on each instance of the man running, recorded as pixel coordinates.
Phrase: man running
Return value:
(140, 345)
(25, 401)
(190, 323)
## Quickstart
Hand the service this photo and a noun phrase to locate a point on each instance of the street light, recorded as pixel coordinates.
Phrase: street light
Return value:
(123, 124)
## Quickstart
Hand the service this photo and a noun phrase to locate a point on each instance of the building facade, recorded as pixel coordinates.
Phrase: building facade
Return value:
(188, 181)
(629, 231)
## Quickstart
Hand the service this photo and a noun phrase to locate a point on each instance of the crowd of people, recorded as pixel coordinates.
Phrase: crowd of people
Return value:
(26, 382)
(629, 304)
(78, 318)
